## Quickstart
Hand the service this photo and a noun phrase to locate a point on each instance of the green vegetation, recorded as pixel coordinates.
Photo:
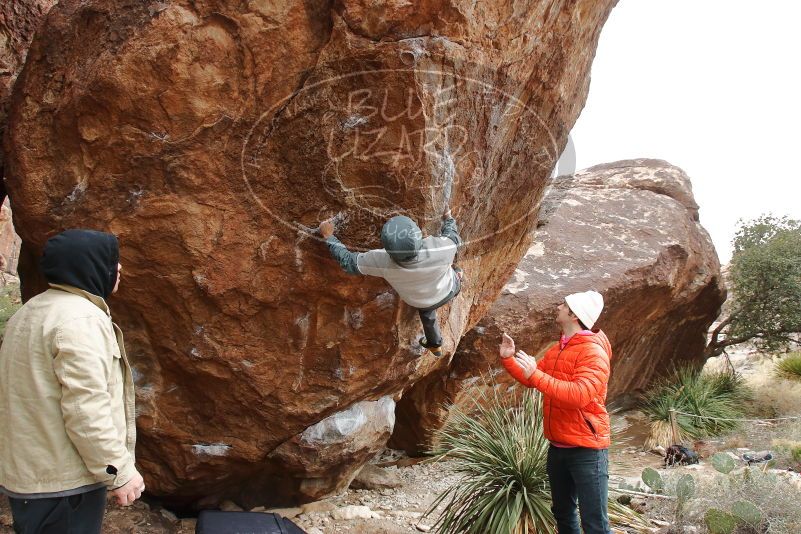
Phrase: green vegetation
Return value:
(10, 302)
(748, 500)
(789, 450)
(500, 452)
(715, 396)
(765, 278)
(790, 366)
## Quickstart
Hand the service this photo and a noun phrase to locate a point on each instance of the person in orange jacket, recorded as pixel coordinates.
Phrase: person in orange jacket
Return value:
(573, 377)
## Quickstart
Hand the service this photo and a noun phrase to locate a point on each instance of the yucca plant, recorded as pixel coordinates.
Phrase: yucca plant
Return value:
(716, 396)
(790, 366)
(498, 448)
(501, 453)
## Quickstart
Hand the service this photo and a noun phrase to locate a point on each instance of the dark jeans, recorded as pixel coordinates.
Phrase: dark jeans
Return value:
(579, 475)
(428, 316)
(76, 514)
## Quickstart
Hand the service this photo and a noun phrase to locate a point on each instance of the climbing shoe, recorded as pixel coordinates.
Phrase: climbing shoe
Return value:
(436, 350)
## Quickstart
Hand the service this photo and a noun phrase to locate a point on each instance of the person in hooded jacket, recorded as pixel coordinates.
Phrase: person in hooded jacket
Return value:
(67, 394)
(419, 269)
(573, 377)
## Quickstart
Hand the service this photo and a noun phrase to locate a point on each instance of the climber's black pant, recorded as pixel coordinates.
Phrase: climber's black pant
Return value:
(428, 316)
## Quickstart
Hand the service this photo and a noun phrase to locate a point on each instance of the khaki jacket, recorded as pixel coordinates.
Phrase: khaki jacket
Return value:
(66, 396)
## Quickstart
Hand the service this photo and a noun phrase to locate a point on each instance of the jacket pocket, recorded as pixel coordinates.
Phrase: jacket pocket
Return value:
(116, 374)
(589, 424)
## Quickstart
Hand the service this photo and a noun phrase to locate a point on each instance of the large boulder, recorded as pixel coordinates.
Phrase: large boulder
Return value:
(19, 19)
(628, 229)
(211, 136)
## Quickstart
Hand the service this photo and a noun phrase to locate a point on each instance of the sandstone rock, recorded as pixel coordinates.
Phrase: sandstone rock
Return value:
(352, 512)
(9, 240)
(19, 19)
(228, 506)
(212, 136)
(326, 456)
(375, 478)
(628, 229)
(169, 516)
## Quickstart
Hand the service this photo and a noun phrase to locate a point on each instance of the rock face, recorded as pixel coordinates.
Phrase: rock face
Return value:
(211, 136)
(19, 19)
(9, 241)
(629, 230)
(326, 457)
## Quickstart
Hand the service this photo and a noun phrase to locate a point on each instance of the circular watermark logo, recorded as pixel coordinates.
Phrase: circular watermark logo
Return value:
(362, 146)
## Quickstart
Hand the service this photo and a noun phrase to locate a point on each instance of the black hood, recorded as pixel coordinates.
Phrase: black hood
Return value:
(85, 259)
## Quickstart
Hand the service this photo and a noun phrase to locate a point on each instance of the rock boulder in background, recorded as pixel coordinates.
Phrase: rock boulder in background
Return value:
(19, 20)
(211, 136)
(628, 229)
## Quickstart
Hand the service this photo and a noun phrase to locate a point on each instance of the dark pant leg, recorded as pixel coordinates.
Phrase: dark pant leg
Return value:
(88, 511)
(590, 469)
(563, 491)
(430, 327)
(76, 514)
(428, 317)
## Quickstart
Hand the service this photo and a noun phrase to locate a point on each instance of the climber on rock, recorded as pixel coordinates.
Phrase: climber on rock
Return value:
(420, 269)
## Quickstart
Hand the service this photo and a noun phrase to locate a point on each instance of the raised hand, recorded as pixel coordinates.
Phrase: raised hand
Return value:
(526, 363)
(327, 228)
(507, 348)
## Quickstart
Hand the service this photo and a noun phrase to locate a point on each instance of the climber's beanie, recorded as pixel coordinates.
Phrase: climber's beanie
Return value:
(401, 238)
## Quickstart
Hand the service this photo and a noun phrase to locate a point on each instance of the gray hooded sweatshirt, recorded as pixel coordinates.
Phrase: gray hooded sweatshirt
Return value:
(419, 270)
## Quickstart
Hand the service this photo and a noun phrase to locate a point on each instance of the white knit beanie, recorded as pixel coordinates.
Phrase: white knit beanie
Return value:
(586, 306)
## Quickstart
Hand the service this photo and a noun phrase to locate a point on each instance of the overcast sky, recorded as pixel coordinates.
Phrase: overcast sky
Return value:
(712, 86)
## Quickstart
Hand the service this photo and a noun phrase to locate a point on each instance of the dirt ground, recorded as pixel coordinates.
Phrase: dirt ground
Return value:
(401, 510)
(395, 511)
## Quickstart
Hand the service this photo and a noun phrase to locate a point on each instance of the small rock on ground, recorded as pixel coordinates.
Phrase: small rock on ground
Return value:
(373, 477)
(352, 512)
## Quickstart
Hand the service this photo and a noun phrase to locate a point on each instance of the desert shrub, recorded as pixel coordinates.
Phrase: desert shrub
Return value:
(498, 448)
(715, 396)
(790, 366)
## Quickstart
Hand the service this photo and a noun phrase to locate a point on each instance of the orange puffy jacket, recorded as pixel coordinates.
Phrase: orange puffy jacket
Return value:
(573, 382)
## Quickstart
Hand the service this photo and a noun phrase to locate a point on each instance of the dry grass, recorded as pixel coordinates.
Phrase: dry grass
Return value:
(789, 367)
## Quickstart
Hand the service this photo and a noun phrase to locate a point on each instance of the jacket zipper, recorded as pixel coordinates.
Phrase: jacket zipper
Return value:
(550, 407)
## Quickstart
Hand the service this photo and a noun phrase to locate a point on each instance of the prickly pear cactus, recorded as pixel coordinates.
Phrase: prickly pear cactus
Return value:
(723, 463)
(719, 522)
(747, 512)
(653, 479)
(685, 488)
